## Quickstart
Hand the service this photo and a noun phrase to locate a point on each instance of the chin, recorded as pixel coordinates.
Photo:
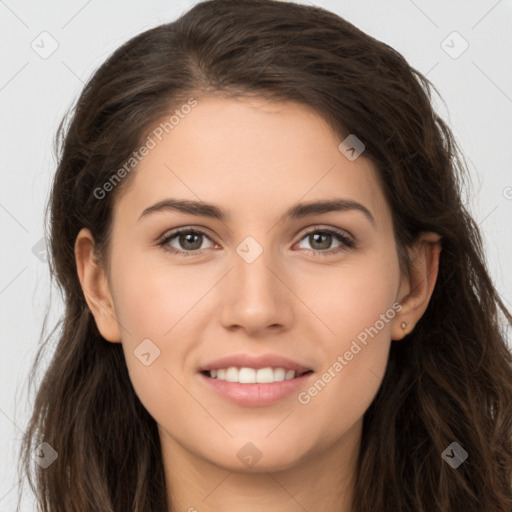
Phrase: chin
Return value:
(257, 457)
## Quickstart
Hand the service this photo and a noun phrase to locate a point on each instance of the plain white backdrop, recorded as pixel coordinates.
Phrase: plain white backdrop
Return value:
(48, 50)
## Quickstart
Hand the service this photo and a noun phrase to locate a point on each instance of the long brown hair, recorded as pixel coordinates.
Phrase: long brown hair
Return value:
(449, 380)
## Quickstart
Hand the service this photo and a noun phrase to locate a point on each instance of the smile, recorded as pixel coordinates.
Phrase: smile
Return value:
(245, 375)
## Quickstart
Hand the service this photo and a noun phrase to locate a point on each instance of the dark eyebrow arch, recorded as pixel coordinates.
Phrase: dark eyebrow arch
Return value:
(298, 211)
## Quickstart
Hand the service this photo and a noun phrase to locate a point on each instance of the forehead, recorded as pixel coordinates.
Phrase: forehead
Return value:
(251, 157)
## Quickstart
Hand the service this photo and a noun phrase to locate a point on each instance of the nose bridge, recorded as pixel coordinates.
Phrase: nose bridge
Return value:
(255, 296)
(252, 272)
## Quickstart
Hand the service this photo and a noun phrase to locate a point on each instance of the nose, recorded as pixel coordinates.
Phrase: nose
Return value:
(257, 297)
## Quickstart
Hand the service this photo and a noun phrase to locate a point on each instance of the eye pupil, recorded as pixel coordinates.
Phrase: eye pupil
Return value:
(185, 239)
(325, 244)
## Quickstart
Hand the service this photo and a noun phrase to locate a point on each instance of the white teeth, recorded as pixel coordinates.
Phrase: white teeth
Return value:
(246, 375)
(280, 374)
(232, 374)
(251, 376)
(265, 376)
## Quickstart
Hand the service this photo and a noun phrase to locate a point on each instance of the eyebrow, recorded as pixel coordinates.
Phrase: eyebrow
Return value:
(298, 211)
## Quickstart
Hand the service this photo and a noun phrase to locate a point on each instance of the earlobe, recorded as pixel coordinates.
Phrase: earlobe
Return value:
(95, 287)
(424, 269)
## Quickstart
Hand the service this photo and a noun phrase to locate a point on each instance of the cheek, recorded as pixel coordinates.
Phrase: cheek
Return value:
(153, 295)
(159, 307)
(358, 306)
(352, 296)
(151, 305)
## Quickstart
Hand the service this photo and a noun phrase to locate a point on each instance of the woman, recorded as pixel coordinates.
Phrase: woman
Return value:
(248, 371)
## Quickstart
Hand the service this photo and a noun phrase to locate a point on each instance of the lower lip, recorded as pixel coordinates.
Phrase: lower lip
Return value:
(256, 395)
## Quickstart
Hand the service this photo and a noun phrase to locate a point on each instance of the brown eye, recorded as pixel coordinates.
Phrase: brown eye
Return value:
(321, 240)
(189, 242)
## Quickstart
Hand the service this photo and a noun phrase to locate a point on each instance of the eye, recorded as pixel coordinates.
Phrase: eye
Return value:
(321, 239)
(189, 239)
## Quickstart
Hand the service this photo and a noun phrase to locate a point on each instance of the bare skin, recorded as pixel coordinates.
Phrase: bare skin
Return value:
(255, 159)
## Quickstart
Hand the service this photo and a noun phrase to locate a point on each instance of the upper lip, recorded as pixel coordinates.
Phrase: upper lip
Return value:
(253, 361)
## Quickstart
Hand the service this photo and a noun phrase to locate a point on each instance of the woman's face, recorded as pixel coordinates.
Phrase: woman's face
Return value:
(317, 289)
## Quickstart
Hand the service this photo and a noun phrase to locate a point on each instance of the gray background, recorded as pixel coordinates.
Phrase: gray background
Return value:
(35, 92)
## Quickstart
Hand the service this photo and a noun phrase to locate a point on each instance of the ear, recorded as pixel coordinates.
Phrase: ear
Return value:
(95, 287)
(414, 294)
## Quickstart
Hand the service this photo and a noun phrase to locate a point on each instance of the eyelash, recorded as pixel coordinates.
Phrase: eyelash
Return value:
(347, 243)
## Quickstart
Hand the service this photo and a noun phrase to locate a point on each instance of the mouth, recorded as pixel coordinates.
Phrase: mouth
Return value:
(255, 380)
(247, 375)
(256, 387)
